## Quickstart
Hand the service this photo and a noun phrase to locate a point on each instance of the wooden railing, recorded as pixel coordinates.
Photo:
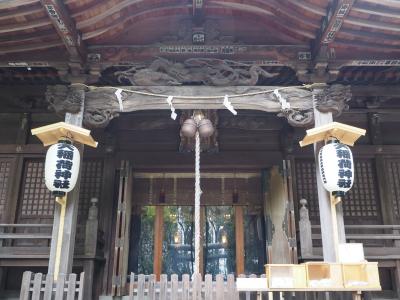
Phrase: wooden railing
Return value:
(380, 241)
(12, 240)
(33, 240)
(43, 287)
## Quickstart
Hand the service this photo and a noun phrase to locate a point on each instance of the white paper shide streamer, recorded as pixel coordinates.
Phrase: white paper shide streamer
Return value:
(118, 93)
(284, 104)
(173, 113)
(229, 105)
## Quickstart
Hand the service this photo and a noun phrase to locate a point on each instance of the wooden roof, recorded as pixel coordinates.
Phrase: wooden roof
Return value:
(64, 34)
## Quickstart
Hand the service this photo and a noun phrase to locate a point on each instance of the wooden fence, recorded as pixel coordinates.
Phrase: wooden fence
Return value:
(43, 287)
(147, 287)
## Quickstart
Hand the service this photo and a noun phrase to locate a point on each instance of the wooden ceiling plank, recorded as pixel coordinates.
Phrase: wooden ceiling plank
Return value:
(24, 26)
(104, 13)
(65, 28)
(388, 3)
(368, 47)
(386, 13)
(308, 7)
(274, 8)
(288, 12)
(372, 37)
(30, 47)
(268, 14)
(372, 24)
(27, 39)
(104, 29)
(6, 4)
(20, 12)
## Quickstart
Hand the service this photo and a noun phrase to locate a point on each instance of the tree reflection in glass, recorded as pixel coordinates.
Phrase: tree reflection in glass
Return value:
(178, 245)
(219, 254)
(146, 241)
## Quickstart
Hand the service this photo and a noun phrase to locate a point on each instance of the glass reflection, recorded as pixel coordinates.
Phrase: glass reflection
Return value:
(178, 245)
(219, 254)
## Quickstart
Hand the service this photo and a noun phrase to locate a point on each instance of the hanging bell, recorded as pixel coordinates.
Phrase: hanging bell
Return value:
(189, 128)
(206, 128)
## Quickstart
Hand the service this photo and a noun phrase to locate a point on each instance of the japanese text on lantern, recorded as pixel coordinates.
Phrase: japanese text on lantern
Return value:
(65, 155)
(345, 166)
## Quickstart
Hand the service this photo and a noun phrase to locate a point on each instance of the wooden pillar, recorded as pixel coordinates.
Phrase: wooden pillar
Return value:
(71, 213)
(239, 236)
(324, 200)
(158, 240)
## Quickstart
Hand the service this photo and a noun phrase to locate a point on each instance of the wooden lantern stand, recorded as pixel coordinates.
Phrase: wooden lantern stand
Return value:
(348, 135)
(49, 135)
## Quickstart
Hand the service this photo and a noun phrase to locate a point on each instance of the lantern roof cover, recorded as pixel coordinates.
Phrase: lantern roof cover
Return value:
(346, 134)
(51, 134)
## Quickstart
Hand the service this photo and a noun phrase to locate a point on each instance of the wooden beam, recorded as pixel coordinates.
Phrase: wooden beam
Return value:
(66, 29)
(331, 24)
(239, 235)
(262, 55)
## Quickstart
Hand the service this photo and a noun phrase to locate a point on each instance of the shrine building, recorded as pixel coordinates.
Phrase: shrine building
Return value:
(186, 119)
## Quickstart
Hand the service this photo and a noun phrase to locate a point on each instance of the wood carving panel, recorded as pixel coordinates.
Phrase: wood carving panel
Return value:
(102, 104)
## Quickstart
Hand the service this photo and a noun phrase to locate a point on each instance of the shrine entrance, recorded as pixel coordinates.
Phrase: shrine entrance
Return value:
(246, 219)
(162, 224)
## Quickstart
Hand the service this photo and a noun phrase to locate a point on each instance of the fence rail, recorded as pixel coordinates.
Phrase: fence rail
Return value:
(43, 287)
(147, 287)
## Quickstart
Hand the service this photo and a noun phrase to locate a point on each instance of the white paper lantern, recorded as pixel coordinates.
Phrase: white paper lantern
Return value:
(336, 168)
(62, 167)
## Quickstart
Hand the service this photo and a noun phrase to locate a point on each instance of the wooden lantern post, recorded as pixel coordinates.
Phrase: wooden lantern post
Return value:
(347, 135)
(50, 135)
